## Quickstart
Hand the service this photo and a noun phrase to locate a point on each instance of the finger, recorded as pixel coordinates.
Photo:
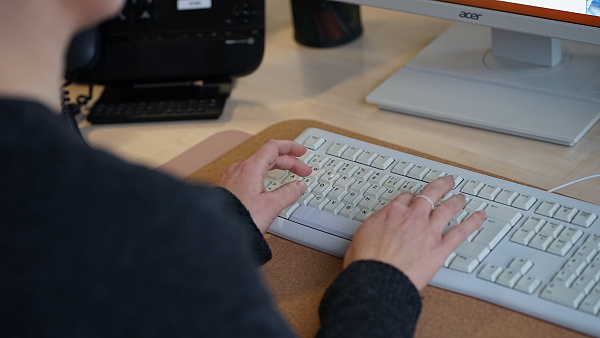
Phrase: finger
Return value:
(397, 206)
(286, 195)
(268, 155)
(275, 148)
(448, 208)
(439, 187)
(461, 232)
(434, 191)
(296, 149)
(292, 164)
(405, 198)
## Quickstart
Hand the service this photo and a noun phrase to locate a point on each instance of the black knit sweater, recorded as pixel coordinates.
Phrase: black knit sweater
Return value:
(93, 246)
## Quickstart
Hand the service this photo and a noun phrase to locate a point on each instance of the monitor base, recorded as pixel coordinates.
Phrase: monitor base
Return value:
(457, 79)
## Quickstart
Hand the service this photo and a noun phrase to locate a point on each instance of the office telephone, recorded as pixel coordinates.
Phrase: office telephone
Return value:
(163, 59)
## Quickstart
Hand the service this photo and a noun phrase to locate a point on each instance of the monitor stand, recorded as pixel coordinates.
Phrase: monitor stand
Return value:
(457, 78)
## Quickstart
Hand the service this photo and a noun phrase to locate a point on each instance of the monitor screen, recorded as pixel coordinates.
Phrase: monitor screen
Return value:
(528, 67)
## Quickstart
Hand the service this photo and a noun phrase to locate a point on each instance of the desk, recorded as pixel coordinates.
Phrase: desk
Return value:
(329, 85)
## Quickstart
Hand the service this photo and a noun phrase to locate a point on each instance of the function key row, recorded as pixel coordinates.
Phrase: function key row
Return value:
(351, 153)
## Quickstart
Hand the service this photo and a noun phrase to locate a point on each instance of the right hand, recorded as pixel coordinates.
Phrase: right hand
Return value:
(408, 234)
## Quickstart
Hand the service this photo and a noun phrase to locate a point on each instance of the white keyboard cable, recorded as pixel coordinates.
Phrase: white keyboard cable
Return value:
(573, 182)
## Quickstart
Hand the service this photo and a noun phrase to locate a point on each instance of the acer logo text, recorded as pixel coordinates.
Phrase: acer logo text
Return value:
(469, 15)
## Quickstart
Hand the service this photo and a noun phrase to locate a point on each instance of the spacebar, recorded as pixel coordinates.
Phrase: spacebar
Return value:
(325, 221)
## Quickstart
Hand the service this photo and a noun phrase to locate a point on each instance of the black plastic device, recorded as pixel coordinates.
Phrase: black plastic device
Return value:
(168, 59)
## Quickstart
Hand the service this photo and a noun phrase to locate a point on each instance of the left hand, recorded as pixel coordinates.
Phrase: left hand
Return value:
(246, 180)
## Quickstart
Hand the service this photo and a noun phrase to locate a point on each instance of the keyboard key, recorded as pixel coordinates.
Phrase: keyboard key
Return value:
(547, 208)
(523, 236)
(363, 215)
(334, 207)
(318, 161)
(363, 174)
(333, 165)
(566, 214)
(576, 265)
(325, 221)
(287, 212)
(464, 263)
(522, 265)
(562, 295)
(306, 157)
(383, 162)
(473, 249)
(509, 215)
(528, 284)
(393, 183)
(375, 191)
(367, 157)
(489, 192)
(344, 182)
(475, 205)
(585, 219)
(490, 272)
(491, 232)
(506, 197)
(318, 202)
(314, 142)
(352, 153)
(418, 172)
(571, 234)
(552, 229)
(524, 202)
(337, 149)
(276, 174)
(433, 174)
(352, 198)
(591, 303)
(412, 187)
(564, 277)
(541, 242)
(389, 195)
(348, 169)
(472, 187)
(378, 178)
(337, 194)
(509, 278)
(534, 223)
(560, 247)
(349, 211)
(402, 168)
(360, 186)
(368, 203)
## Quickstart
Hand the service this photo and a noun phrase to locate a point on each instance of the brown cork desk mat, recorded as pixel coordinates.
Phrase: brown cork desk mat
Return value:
(298, 276)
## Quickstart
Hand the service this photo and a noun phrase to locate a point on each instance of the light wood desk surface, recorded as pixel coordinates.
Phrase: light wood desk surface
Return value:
(330, 85)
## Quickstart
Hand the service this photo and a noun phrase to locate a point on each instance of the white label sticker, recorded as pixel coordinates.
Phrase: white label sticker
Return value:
(186, 5)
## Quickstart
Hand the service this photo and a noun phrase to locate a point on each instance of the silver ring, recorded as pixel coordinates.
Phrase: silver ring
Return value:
(427, 199)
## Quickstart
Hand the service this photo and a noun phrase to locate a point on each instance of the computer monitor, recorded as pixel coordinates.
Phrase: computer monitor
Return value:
(523, 67)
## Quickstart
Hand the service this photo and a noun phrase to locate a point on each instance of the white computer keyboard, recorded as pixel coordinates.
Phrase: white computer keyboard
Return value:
(536, 253)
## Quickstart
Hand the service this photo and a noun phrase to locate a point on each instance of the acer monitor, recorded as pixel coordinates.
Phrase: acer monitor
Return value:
(523, 67)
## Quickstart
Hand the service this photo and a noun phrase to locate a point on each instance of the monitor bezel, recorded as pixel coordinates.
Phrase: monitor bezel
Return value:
(492, 18)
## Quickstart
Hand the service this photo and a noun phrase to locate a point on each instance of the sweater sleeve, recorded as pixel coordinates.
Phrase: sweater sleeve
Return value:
(370, 299)
(260, 249)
